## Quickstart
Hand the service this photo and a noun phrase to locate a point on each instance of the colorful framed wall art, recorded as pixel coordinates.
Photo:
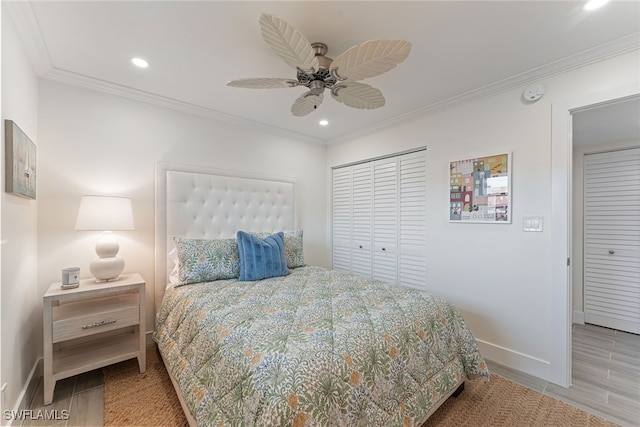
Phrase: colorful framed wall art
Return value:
(20, 162)
(480, 189)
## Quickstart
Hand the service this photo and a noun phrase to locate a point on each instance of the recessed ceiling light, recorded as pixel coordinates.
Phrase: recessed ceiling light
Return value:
(595, 4)
(139, 62)
(323, 122)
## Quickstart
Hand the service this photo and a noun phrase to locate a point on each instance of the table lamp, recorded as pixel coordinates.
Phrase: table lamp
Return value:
(106, 214)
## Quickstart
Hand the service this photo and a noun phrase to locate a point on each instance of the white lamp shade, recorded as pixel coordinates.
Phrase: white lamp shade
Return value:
(105, 213)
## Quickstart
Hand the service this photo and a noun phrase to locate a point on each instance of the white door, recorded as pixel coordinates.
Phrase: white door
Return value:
(413, 220)
(341, 219)
(612, 239)
(385, 220)
(362, 218)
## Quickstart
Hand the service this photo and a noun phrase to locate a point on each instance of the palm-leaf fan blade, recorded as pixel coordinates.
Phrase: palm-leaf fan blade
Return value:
(358, 95)
(288, 43)
(263, 83)
(370, 59)
(306, 104)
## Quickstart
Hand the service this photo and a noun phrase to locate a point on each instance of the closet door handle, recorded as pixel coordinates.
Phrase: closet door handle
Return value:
(360, 246)
(611, 252)
(384, 249)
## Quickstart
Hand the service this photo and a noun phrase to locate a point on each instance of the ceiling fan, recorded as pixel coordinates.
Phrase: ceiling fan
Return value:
(319, 72)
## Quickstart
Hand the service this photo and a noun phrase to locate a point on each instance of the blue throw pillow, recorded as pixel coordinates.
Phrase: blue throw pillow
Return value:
(261, 258)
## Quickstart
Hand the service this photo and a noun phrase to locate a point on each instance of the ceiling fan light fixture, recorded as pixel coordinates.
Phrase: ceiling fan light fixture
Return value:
(140, 62)
(318, 72)
(316, 87)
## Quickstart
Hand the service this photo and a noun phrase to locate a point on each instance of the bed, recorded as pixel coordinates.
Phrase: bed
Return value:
(306, 346)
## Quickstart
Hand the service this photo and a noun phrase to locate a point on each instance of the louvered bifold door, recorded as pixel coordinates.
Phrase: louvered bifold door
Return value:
(385, 220)
(612, 239)
(362, 219)
(413, 220)
(342, 219)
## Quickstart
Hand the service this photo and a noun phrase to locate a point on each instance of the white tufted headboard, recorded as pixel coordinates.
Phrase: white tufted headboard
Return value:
(205, 203)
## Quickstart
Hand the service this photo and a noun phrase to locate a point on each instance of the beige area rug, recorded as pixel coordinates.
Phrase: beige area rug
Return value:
(500, 402)
(134, 399)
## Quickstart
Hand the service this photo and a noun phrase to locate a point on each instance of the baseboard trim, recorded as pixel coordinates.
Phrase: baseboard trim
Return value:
(28, 391)
(515, 360)
(149, 337)
(578, 317)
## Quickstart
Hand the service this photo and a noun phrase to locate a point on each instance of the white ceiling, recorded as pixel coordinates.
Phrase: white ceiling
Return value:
(462, 50)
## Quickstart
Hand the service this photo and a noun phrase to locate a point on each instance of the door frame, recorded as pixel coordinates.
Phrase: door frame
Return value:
(560, 291)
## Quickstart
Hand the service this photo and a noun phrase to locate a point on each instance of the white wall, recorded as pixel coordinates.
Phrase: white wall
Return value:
(578, 217)
(498, 275)
(20, 299)
(95, 143)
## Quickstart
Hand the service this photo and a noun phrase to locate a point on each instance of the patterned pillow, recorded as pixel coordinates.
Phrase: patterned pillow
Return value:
(261, 258)
(293, 249)
(202, 260)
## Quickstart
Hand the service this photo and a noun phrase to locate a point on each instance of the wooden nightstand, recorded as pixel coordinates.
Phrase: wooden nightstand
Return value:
(91, 326)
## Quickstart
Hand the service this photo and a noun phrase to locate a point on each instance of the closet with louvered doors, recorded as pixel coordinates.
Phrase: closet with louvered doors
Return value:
(379, 218)
(612, 239)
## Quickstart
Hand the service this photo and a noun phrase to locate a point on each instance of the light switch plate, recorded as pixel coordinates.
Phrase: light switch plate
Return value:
(532, 223)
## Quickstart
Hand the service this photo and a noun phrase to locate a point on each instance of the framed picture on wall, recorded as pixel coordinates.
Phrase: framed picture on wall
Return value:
(20, 162)
(480, 189)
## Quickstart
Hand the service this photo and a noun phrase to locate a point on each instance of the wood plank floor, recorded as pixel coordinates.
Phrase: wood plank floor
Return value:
(606, 382)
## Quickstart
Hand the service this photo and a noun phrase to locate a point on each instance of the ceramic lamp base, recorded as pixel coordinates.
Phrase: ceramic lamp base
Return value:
(108, 268)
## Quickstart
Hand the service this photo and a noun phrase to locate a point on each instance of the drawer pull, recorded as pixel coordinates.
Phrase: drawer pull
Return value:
(97, 324)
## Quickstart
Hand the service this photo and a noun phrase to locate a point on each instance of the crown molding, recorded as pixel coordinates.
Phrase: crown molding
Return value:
(75, 79)
(591, 56)
(24, 18)
(596, 54)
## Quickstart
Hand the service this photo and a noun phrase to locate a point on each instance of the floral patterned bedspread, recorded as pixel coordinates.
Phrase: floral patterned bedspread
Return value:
(317, 347)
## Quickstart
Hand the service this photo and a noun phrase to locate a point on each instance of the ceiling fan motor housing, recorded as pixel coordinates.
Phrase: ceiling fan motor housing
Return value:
(322, 78)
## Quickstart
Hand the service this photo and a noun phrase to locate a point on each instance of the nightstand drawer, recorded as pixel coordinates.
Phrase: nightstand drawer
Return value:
(76, 327)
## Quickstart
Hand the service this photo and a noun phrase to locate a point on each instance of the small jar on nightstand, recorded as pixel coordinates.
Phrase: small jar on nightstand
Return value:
(92, 326)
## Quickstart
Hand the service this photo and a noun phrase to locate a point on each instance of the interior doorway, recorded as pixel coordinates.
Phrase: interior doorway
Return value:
(606, 214)
(561, 252)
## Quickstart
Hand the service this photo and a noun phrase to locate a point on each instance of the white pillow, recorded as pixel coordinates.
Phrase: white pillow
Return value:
(173, 276)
